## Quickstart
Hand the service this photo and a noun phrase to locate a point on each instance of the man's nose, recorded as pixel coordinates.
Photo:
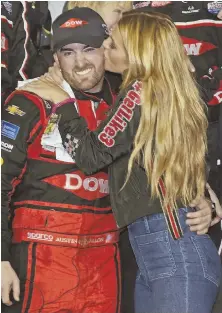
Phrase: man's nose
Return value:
(80, 59)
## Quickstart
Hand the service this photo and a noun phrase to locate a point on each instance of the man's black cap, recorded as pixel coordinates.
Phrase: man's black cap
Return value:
(79, 25)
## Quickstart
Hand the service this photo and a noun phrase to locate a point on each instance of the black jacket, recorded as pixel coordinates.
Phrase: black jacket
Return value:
(111, 145)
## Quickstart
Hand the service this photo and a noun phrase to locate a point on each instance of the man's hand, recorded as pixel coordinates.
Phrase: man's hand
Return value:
(200, 220)
(10, 282)
(219, 15)
(218, 207)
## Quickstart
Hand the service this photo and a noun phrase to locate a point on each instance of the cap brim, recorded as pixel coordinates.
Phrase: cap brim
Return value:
(92, 41)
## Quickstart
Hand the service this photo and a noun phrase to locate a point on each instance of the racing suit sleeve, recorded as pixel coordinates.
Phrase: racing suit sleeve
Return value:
(19, 117)
(211, 87)
(93, 151)
(6, 34)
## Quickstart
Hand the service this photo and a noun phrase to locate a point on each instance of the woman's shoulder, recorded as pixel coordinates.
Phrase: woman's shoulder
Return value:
(134, 86)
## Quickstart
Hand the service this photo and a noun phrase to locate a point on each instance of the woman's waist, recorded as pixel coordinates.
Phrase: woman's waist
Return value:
(158, 222)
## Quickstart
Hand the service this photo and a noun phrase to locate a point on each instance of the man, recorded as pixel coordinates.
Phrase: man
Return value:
(66, 253)
(65, 249)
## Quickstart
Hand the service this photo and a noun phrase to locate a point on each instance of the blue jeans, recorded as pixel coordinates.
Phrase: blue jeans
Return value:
(174, 276)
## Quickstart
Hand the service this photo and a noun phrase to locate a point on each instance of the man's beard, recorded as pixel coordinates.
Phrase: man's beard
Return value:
(86, 83)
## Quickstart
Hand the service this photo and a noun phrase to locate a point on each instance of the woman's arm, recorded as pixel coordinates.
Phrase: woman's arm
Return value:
(93, 151)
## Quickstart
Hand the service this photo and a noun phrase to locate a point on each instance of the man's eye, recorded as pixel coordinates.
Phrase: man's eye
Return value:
(68, 53)
(89, 49)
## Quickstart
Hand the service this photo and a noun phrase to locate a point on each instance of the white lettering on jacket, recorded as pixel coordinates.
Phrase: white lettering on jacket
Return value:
(39, 236)
(81, 242)
(75, 182)
(218, 96)
(122, 116)
(193, 48)
(6, 146)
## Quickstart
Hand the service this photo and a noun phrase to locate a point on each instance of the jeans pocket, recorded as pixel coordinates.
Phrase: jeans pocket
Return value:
(209, 258)
(156, 254)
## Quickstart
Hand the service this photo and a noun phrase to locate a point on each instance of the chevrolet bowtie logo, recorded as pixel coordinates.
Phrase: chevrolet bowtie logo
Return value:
(14, 110)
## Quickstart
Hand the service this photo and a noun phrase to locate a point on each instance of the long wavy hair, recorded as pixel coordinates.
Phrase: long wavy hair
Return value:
(170, 142)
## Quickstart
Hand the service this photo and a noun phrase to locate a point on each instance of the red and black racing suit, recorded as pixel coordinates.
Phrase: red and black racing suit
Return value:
(25, 42)
(65, 240)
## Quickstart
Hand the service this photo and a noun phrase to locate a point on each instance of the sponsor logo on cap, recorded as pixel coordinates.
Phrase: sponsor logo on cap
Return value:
(73, 23)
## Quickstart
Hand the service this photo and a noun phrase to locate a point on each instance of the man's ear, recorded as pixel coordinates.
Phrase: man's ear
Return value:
(56, 59)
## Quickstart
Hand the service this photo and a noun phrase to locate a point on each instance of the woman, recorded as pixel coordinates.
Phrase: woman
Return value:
(154, 143)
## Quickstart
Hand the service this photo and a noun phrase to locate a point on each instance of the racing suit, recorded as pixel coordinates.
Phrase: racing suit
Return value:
(65, 239)
(201, 33)
(25, 42)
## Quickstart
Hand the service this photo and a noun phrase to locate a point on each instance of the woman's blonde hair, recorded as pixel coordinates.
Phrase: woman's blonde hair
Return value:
(99, 6)
(171, 139)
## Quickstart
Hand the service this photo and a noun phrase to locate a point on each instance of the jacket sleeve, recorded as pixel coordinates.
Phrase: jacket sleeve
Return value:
(6, 34)
(211, 87)
(93, 151)
(19, 117)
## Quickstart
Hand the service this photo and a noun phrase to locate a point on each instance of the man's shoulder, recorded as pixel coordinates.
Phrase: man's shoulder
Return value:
(23, 103)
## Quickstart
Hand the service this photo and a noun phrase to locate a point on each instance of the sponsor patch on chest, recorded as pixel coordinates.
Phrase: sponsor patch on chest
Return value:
(14, 110)
(85, 187)
(195, 47)
(214, 7)
(6, 146)
(9, 130)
